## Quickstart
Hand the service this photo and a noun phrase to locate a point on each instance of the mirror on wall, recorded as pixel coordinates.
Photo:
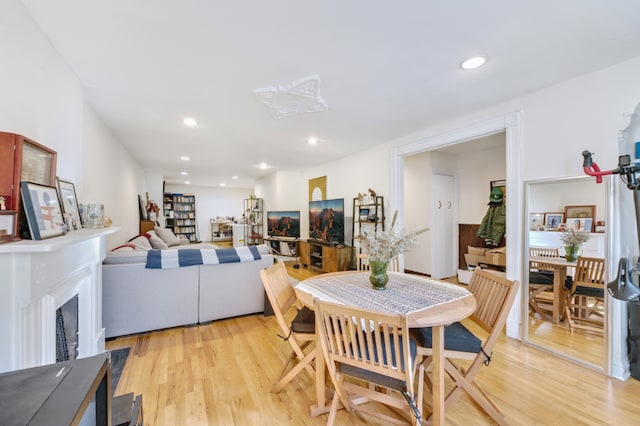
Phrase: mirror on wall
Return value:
(560, 318)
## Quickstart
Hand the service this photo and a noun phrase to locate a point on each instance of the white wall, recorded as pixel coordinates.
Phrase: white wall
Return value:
(553, 197)
(417, 197)
(41, 98)
(213, 202)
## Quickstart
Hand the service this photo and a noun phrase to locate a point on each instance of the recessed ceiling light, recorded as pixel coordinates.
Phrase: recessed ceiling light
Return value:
(312, 141)
(474, 62)
(187, 182)
(234, 177)
(222, 184)
(185, 158)
(263, 165)
(184, 173)
(190, 122)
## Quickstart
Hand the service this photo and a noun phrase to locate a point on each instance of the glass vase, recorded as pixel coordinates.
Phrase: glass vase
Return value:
(571, 253)
(378, 277)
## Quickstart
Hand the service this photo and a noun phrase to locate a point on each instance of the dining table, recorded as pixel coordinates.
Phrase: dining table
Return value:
(424, 301)
(560, 265)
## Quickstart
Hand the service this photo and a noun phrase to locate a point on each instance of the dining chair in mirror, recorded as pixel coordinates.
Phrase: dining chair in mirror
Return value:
(585, 306)
(541, 281)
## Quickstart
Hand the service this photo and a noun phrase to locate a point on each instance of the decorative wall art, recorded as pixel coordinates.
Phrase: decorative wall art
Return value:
(8, 226)
(580, 212)
(552, 221)
(318, 189)
(69, 204)
(42, 209)
(536, 221)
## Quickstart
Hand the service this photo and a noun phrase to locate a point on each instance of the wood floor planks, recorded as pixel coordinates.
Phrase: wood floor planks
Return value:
(220, 374)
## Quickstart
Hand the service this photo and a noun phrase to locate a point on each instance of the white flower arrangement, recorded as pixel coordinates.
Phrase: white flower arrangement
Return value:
(574, 237)
(384, 246)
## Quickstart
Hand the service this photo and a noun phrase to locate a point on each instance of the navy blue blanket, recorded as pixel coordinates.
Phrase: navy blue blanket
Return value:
(166, 259)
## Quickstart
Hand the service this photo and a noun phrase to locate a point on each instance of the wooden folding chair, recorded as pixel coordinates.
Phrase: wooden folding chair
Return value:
(541, 280)
(362, 262)
(494, 298)
(584, 307)
(376, 350)
(300, 333)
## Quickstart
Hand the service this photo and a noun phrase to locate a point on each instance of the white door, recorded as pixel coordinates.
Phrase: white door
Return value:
(444, 257)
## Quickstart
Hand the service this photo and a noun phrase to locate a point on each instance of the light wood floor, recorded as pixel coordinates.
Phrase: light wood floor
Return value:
(220, 374)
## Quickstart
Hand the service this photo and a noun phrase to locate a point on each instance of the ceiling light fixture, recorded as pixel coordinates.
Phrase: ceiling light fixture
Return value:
(234, 177)
(184, 158)
(263, 166)
(190, 122)
(475, 62)
(184, 173)
(222, 184)
(312, 141)
(187, 182)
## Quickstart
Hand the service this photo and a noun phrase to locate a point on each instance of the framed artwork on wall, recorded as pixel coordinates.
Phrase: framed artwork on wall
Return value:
(69, 204)
(552, 221)
(42, 209)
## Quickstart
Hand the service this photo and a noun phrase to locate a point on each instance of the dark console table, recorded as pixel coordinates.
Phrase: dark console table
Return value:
(57, 394)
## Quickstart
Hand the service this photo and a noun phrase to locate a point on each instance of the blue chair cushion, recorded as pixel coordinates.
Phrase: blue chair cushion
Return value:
(584, 291)
(304, 322)
(541, 277)
(589, 292)
(381, 379)
(456, 338)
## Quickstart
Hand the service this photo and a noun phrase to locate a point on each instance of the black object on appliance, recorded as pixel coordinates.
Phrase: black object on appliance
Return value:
(623, 286)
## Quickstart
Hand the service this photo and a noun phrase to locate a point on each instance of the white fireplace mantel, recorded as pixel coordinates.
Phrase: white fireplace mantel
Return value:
(36, 278)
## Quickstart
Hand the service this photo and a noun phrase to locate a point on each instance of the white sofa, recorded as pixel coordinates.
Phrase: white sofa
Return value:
(136, 299)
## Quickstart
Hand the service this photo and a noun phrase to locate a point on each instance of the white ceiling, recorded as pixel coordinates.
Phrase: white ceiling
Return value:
(387, 69)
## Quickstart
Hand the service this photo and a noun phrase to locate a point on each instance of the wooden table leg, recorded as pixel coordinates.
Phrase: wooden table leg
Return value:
(559, 277)
(320, 407)
(437, 346)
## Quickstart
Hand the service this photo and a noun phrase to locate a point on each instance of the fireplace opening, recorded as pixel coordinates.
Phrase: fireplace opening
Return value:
(67, 330)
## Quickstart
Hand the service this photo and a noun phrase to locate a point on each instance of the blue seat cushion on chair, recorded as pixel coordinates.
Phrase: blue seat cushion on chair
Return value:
(541, 277)
(589, 292)
(456, 338)
(304, 322)
(381, 379)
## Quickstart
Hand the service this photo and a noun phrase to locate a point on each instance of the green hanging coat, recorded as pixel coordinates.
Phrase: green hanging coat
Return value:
(494, 223)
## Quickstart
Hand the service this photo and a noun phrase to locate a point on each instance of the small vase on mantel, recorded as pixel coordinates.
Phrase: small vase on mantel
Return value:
(571, 253)
(378, 277)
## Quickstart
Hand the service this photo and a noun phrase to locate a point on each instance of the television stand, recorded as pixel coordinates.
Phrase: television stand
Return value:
(323, 257)
(285, 248)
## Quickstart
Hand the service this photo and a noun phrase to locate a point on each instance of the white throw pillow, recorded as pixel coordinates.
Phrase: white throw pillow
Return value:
(167, 236)
(141, 242)
(156, 242)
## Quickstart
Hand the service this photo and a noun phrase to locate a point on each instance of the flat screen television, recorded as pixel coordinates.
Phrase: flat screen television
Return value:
(283, 224)
(326, 221)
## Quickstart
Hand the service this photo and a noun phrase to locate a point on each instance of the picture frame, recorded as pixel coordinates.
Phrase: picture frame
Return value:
(8, 226)
(69, 204)
(552, 221)
(580, 212)
(580, 224)
(536, 221)
(42, 209)
(364, 215)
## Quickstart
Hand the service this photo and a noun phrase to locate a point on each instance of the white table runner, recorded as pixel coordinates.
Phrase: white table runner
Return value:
(404, 293)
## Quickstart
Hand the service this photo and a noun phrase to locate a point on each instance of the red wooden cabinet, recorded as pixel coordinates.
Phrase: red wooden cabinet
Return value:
(23, 159)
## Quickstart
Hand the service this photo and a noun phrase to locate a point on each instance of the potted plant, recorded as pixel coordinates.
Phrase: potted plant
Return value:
(384, 246)
(573, 240)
